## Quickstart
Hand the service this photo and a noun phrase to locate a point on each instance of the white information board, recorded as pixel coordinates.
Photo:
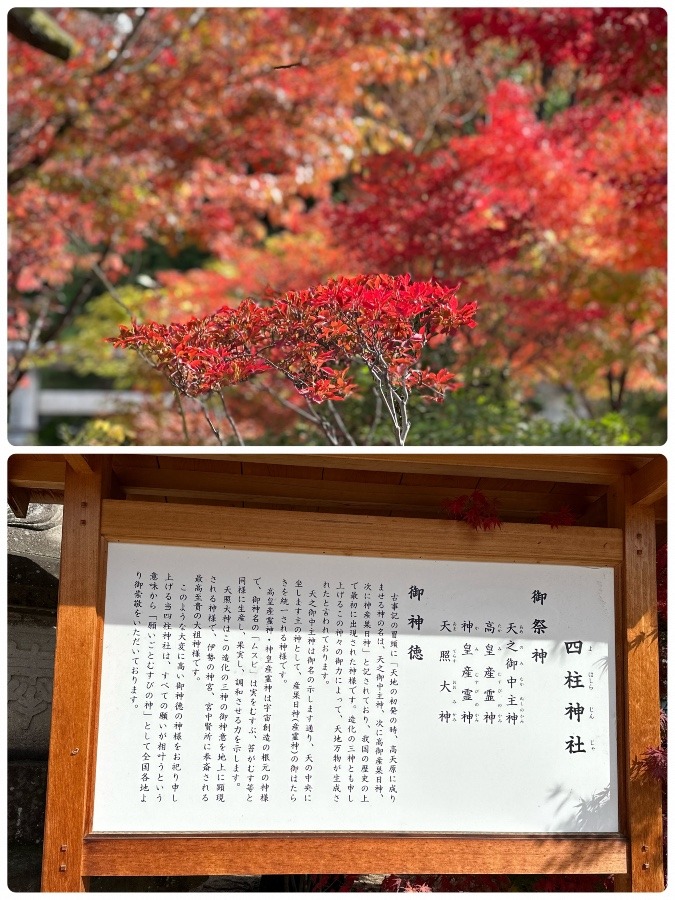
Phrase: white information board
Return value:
(258, 691)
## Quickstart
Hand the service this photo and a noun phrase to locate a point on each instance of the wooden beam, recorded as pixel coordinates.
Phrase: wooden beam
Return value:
(43, 472)
(39, 496)
(595, 513)
(344, 493)
(71, 746)
(79, 462)
(661, 510)
(644, 794)
(589, 469)
(187, 525)
(47, 472)
(19, 500)
(278, 854)
(649, 484)
(643, 805)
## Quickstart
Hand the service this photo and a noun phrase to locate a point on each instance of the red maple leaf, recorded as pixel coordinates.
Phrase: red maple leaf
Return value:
(475, 509)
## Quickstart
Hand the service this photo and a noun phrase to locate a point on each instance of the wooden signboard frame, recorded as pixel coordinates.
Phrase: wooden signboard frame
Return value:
(93, 518)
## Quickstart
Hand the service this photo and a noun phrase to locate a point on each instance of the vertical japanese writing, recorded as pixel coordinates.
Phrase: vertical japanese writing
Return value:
(295, 742)
(211, 643)
(267, 717)
(393, 695)
(207, 759)
(179, 696)
(165, 685)
(197, 627)
(368, 682)
(283, 630)
(259, 688)
(325, 633)
(224, 696)
(149, 703)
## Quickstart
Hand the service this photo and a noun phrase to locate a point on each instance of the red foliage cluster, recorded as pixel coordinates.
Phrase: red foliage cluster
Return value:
(662, 580)
(561, 517)
(617, 45)
(521, 151)
(312, 337)
(557, 227)
(475, 509)
(514, 180)
(445, 883)
(654, 763)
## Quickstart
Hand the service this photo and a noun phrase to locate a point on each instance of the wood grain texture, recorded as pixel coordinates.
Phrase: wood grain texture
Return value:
(300, 532)
(79, 462)
(649, 483)
(19, 500)
(42, 472)
(286, 854)
(47, 470)
(342, 489)
(592, 469)
(642, 697)
(616, 514)
(71, 747)
(276, 470)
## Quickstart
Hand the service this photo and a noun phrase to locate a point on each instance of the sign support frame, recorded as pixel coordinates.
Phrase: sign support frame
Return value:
(91, 519)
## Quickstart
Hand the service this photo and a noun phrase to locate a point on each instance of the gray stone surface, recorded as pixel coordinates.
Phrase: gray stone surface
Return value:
(30, 671)
(24, 864)
(34, 552)
(39, 517)
(33, 581)
(26, 791)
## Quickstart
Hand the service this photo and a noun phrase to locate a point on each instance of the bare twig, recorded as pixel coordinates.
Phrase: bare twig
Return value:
(340, 423)
(194, 19)
(377, 418)
(230, 420)
(181, 411)
(213, 428)
(128, 40)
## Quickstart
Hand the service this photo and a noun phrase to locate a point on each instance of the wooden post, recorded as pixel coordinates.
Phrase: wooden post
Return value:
(71, 747)
(642, 707)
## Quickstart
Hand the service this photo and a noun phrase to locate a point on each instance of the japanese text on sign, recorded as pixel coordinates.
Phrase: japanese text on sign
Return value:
(250, 691)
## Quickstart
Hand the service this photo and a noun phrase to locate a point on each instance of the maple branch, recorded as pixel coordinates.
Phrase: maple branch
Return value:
(340, 423)
(288, 66)
(618, 382)
(84, 293)
(213, 428)
(435, 113)
(110, 287)
(37, 28)
(324, 423)
(230, 420)
(181, 412)
(311, 413)
(377, 418)
(388, 396)
(129, 39)
(164, 44)
(286, 403)
(23, 348)
(16, 175)
(401, 422)
(115, 295)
